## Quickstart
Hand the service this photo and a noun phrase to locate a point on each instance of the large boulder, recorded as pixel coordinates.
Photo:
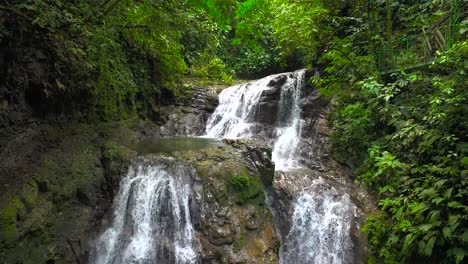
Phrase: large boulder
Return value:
(236, 226)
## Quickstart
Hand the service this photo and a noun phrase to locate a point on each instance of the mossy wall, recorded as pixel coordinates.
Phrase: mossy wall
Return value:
(59, 204)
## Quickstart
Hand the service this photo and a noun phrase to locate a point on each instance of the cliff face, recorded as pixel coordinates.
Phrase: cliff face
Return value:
(189, 118)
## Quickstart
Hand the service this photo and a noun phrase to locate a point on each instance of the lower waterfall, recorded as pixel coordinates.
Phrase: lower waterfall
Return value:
(319, 226)
(152, 216)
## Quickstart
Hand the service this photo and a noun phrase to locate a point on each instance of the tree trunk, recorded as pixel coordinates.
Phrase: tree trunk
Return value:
(389, 22)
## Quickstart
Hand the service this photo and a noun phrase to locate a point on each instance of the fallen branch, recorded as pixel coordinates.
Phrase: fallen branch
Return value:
(77, 259)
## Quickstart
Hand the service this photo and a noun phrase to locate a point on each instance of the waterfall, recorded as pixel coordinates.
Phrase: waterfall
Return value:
(152, 217)
(235, 117)
(284, 152)
(319, 227)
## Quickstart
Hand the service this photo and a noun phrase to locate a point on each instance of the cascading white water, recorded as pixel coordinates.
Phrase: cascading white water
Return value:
(320, 227)
(235, 115)
(285, 148)
(152, 221)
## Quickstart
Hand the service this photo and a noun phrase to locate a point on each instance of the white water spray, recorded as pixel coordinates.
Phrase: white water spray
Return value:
(235, 116)
(320, 227)
(151, 222)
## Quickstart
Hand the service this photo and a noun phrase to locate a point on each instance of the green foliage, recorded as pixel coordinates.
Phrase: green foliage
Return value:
(110, 61)
(246, 189)
(415, 162)
(211, 68)
(297, 26)
(350, 135)
(277, 247)
(240, 182)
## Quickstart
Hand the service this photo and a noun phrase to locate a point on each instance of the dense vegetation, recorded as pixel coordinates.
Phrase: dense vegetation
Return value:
(404, 131)
(406, 134)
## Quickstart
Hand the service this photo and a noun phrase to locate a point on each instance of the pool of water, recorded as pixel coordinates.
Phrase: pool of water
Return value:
(168, 145)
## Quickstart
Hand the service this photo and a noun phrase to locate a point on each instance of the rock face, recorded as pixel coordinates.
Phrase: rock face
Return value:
(190, 118)
(230, 220)
(236, 225)
(268, 105)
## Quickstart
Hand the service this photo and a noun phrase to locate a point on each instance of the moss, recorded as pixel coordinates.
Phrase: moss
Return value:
(110, 103)
(277, 247)
(17, 203)
(30, 194)
(240, 182)
(8, 229)
(203, 168)
(255, 247)
(252, 194)
(246, 188)
(240, 242)
(112, 150)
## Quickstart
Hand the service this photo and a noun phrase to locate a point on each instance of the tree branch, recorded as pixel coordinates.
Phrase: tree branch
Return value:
(15, 11)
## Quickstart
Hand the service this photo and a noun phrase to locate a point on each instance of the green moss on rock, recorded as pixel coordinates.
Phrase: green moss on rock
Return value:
(57, 201)
(8, 230)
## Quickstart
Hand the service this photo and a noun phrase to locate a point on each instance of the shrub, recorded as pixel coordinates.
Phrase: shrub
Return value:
(240, 182)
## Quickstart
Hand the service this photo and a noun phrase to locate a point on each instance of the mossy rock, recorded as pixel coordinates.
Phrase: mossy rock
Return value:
(27, 214)
(112, 150)
(253, 193)
(8, 230)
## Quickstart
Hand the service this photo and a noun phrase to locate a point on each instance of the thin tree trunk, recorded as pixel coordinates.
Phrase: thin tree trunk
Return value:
(389, 22)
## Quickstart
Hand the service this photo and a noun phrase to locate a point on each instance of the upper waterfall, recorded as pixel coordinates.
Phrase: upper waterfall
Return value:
(244, 109)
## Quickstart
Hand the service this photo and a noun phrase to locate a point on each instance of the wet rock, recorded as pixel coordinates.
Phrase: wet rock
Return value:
(278, 81)
(314, 104)
(221, 235)
(258, 157)
(231, 231)
(115, 160)
(42, 186)
(83, 197)
(251, 225)
(189, 118)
